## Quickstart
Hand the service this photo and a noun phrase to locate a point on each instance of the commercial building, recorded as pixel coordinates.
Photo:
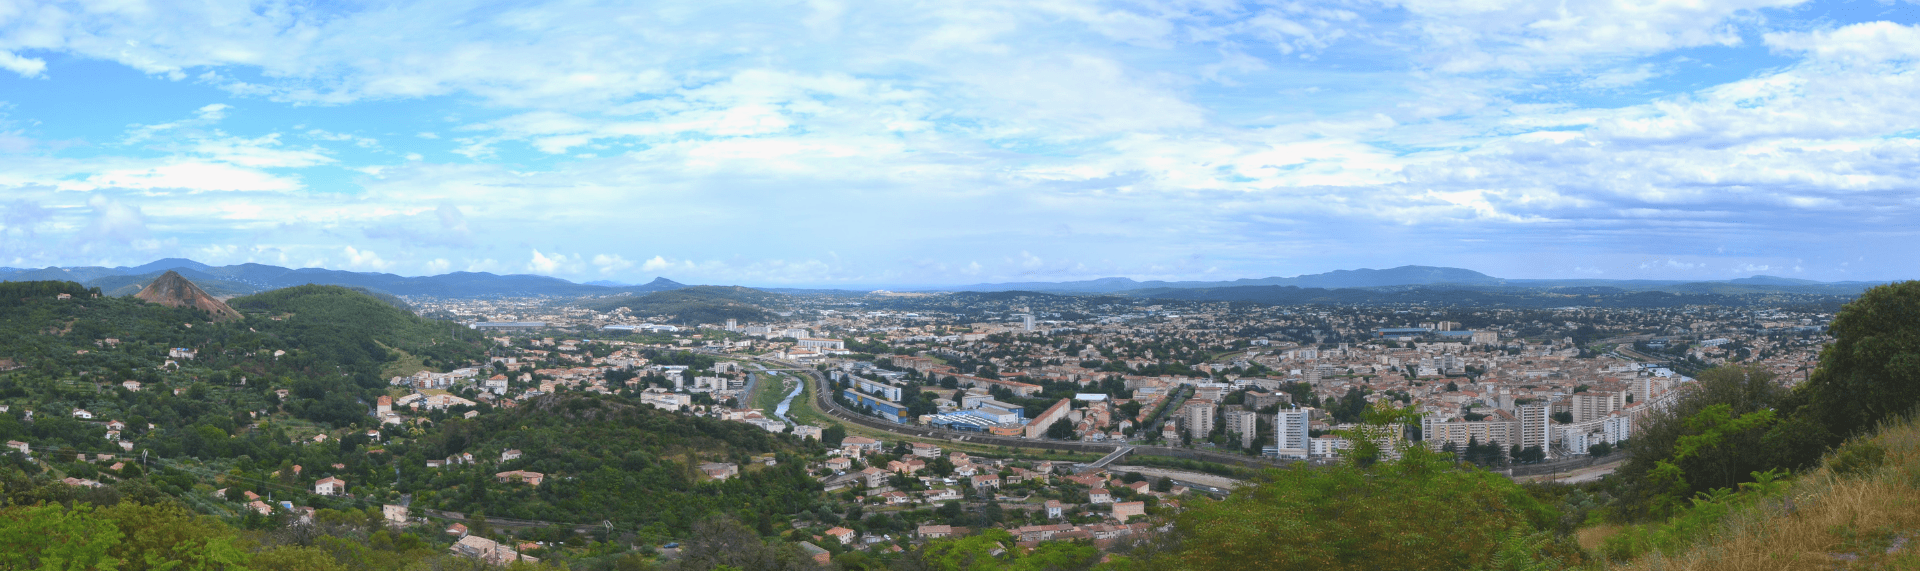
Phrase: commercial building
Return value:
(884, 408)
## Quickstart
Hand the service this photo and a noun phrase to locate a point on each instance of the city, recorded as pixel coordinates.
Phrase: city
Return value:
(1070, 285)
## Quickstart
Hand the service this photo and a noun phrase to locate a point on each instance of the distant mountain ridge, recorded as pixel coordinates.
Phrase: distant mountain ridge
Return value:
(1429, 276)
(245, 279)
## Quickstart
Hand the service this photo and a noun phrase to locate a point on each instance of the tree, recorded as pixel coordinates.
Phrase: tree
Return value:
(55, 538)
(1060, 430)
(1352, 517)
(1871, 372)
(1710, 438)
(832, 435)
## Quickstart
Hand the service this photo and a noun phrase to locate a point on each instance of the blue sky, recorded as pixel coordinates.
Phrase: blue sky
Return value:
(924, 143)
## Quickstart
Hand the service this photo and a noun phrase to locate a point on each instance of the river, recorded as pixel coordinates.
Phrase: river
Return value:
(781, 411)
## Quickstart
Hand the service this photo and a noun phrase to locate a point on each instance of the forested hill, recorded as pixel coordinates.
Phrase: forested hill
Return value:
(353, 329)
(699, 304)
(76, 353)
(607, 459)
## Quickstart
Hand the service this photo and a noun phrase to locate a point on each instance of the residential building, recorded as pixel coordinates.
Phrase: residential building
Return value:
(1198, 416)
(1037, 428)
(1244, 423)
(1595, 405)
(530, 478)
(1292, 433)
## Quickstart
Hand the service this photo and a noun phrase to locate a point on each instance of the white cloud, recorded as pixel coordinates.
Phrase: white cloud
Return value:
(364, 259)
(611, 264)
(189, 175)
(25, 66)
(213, 112)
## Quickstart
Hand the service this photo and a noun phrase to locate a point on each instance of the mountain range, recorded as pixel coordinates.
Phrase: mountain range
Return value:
(1428, 277)
(244, 279)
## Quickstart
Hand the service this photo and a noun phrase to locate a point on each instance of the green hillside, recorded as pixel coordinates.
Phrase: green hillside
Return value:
(699, 304)
(607, 459)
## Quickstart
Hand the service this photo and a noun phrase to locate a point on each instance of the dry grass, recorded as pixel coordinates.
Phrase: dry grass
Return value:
(1590, 538)
(1829, 521)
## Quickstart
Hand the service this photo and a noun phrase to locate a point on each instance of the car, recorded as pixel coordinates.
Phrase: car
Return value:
(673, 545)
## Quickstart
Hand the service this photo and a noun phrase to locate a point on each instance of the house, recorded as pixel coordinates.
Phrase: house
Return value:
(925, 450)
(1055, 509)
(815, 552)
(396, 515)
(82, 413)
(457, 530)
(116, 425)
(509, 455)
(1099, 496)
(487, 550)
(530, 478)
(896, 497)
(330, 486)
(861, 442)
(935, 531)
(843, 534)
(131, 386)
(839, 464)
(383, 406)
(875, 477)
(986, 481)
(435, 463)
(1124, 510)
(260, 507)
(941, 495)
(720, 470)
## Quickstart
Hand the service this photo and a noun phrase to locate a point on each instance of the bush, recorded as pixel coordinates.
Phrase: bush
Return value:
(1858, 458)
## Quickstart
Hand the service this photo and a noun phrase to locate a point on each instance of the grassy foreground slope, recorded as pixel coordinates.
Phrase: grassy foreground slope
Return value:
(1859, 510)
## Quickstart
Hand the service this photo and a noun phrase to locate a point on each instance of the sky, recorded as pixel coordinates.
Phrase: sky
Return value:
(829, 143)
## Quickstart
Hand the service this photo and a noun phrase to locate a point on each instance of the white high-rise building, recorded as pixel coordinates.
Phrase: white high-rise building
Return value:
(1617, 428)
(1535, 422)
(1575, 441)
(1026, 321)
(1290, 430)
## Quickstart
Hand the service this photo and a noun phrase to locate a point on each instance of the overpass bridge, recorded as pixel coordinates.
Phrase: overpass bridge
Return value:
(1102, 463)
